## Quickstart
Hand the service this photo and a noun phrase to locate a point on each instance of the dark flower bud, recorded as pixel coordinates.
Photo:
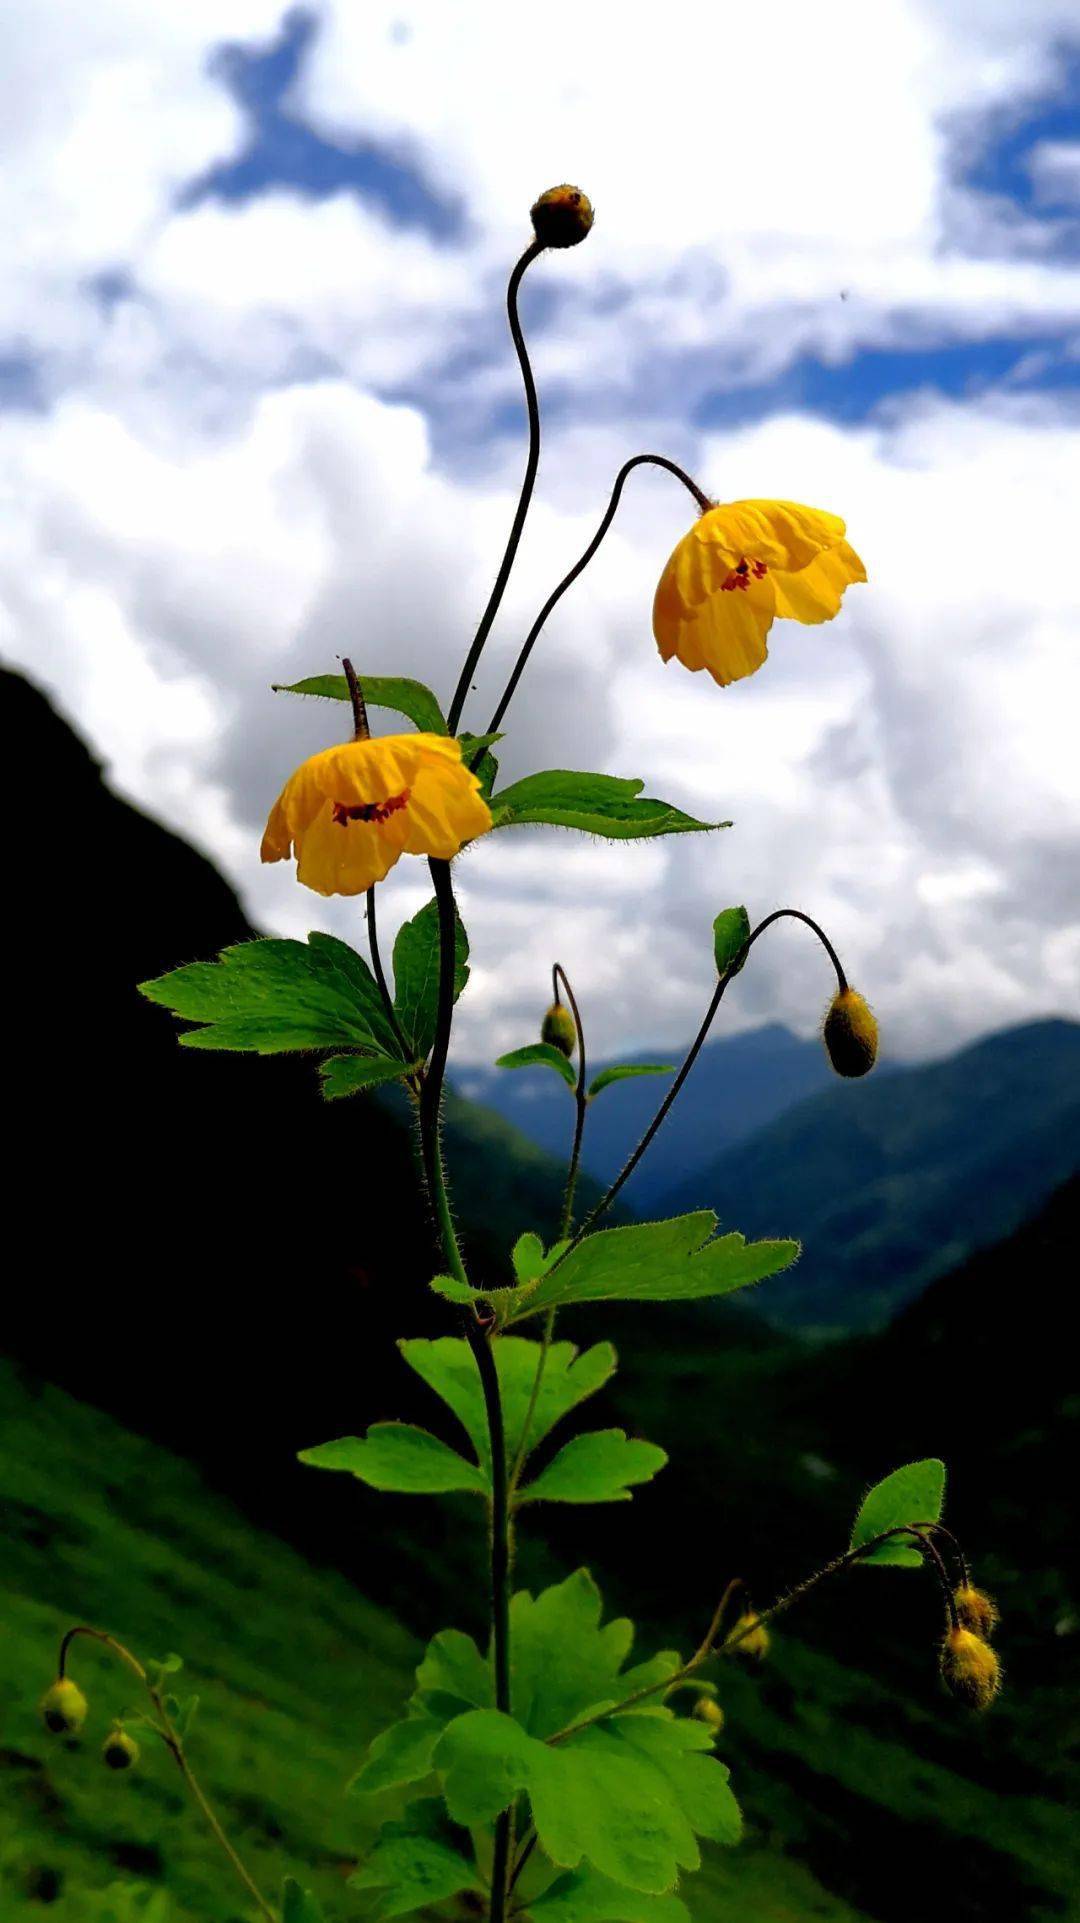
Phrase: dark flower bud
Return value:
(120, 1750)
(562, 217)
(63, 1708)
(851, 1034)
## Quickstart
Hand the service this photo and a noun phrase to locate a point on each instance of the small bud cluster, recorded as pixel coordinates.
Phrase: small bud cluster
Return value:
(64, 1710)
(970, 1669)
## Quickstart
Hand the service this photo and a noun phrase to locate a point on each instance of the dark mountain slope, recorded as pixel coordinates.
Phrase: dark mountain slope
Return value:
(890, 1183)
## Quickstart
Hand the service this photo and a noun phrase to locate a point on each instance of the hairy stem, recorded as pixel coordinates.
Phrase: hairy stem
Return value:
(532, 463)
(379, 972)
(638, 460)
(696, 1046)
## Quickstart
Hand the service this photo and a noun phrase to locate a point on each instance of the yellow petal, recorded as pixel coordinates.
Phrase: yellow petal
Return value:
(347, 858)
(724, 634)
(815, 592)
(783, 534)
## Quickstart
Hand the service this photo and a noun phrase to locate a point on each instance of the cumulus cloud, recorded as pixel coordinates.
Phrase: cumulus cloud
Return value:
(223, 486)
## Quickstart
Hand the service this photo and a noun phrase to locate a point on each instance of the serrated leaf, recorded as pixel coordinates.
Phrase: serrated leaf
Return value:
(268, 996)
(627, 1071)
(396, 1457)
(540, 1055)
(915, 1493)
(395, 692)
(596, 804)
(625, 1794)
(400, 1755)
(565, 1663)
(416, 976)
(453, 1676)
(420, 1860)
(602, 1466)
(297, 1905)
(448, 1367)
(528, 1257)
(731, 932)
(351, 1074)
(584, 1896)
(676, 1261)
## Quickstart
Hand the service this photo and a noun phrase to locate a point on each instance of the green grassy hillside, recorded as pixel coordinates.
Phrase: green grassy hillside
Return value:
(853, 1796)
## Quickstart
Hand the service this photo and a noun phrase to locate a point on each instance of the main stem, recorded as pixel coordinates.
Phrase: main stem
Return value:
(532, 463)
(480, 1344)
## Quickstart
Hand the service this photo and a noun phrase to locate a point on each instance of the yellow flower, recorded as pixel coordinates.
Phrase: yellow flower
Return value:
(349, 812)
(742, 565)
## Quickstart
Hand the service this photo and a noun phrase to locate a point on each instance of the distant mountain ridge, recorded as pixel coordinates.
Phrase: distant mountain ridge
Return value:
(738, 1085)
(891, 1183)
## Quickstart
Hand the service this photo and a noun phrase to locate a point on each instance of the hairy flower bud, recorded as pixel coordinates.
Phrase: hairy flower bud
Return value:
(749, 1638)
(977, 1611)
(708, 1711)
(851, 1034)
(558, 1029)
(120, 1750)
(64, 1707)
(969, 1669)
(562, 217)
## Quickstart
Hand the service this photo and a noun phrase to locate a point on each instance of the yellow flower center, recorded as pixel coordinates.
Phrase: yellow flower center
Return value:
(344, 812)
(741, 576)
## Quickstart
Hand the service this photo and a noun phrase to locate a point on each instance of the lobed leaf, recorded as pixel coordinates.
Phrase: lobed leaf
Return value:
(297, 1905)
(396, 1457)
(915, 1493)
(599, 1467)
(272, 995)
(400, 1755)
(584, 1896)
(676, 1261)
(446, 1364)
(420, 1860)
(349, 1074)
(597, 804)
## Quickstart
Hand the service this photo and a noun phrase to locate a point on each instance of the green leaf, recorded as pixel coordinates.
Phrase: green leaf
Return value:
(676, 1261)
(401, 1754)
(264, 997)
(486, 768)
(731, 932)
(625, 1071)
(597, 804)
(584, 1896)
(565, 1664)
(396, 1457)
(421, 1860)
(297, 1905)
(416, 976)
(448, 1367)
(409, 698)
(915, 1493)
(349, 1074)
(626, 1794)
(540, 1055)
(598, 1467)
(528, 1257)
(453, 1676)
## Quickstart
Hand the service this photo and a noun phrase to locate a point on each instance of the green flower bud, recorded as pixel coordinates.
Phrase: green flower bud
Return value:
(64, 1707)
(120, 1750)
(558, 1029)
(851, 1034)
(562, 217)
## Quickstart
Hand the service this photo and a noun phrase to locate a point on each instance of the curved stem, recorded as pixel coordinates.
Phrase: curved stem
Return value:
(173, 1741)
(779, 914)
(532, 463)
(638, 460)
(558, 974)
(361, 725)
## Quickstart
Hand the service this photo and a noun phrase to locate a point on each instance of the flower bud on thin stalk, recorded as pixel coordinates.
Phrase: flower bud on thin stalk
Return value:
(119, 1751)
(64, 1708)
(562, 217)
(558, 1030)
(969, 1669)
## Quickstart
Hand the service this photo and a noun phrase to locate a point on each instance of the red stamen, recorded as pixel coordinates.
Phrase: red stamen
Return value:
(369, 810)
(739, 577)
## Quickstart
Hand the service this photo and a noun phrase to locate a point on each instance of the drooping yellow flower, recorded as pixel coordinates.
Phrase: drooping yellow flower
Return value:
(742, 565)
(349, 812)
